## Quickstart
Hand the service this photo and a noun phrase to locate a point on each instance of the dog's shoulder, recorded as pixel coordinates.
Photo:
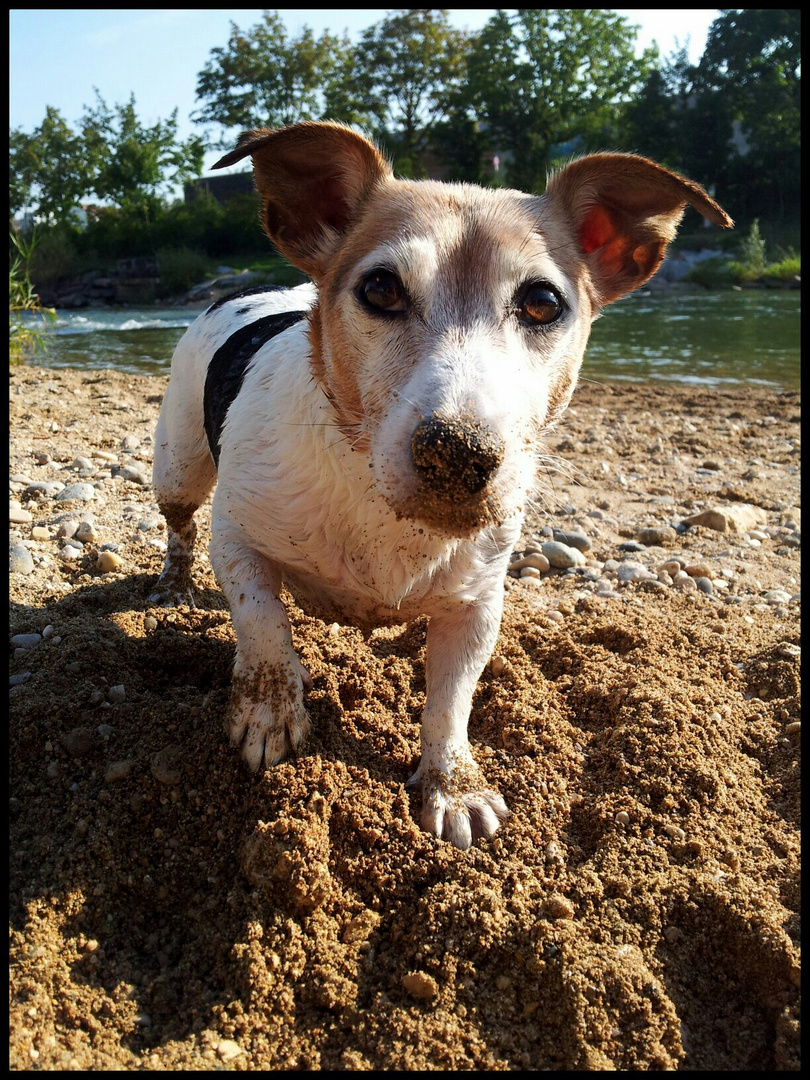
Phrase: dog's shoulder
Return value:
(237, 327)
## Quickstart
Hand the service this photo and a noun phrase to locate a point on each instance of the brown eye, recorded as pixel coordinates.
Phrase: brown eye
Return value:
(540, 305)
(383, 292)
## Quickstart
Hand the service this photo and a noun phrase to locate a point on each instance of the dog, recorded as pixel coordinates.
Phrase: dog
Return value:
(374, 434)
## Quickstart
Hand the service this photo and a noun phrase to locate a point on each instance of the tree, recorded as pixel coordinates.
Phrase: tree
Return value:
(544, 78)
(265, 78)
(130, 162)
(753, 62)
(48, 169)
(406, 67)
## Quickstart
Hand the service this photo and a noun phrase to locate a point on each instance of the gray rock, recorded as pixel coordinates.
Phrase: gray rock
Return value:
(80, 492)
(20, 560)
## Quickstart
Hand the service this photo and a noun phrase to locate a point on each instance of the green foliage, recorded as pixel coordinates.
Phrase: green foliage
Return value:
(130, 162)
(544, 77)
(25, 337)
(55, 254)
(712, 273)
(533, 87)
(407, 67)
(180, 269)
(788, 269)
(49, 166)
(265, 78)
(752, 254)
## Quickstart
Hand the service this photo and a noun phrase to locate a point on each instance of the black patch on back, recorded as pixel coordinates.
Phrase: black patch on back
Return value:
(228, 365)
(245, 292)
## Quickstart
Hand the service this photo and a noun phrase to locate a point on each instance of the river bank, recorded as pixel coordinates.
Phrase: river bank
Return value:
(641, 717)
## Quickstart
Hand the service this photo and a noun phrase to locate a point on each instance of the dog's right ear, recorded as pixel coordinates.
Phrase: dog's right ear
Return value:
(312, 178)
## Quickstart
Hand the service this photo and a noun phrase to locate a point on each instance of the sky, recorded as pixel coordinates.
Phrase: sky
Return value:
(57, 55)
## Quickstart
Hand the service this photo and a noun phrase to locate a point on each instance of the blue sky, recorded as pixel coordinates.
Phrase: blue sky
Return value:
(58, 55)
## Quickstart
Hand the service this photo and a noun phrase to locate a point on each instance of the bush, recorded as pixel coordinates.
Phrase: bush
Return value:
(712, 273)
(180, 269)
(54, 255)
(787, 270)
(751, 264)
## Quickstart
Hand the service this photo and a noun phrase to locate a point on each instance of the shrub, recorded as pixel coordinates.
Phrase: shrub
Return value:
(787, 270)
(712, 273)
(180, 269)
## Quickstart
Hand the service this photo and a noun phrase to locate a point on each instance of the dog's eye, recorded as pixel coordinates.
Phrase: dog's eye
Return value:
(539, 305)
(383, 291)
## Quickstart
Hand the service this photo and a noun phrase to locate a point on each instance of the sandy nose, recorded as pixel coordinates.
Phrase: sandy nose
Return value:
(455, 457)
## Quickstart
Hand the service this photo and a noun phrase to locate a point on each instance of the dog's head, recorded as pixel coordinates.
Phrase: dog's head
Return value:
(452, 320)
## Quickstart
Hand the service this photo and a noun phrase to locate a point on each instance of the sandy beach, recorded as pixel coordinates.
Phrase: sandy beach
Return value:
(641, 717)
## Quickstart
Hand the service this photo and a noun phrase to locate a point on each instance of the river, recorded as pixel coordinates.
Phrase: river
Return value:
(710, 338)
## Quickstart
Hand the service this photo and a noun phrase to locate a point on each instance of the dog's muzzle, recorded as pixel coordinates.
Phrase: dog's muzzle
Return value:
(455, 458)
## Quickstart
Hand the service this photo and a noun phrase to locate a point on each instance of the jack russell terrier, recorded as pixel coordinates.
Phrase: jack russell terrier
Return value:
(375, 434)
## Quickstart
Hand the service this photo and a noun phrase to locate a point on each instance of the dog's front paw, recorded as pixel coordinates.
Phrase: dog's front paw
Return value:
(267, 719)
(172, 589)
(457, 806)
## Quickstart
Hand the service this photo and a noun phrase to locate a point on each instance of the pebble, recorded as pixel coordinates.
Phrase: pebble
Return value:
(787, 648)
(561, 556)
(69, 553)
(684, 582)
(67, 528)
(39, 532)
(705, 585)
(535, 559)
(623, 817)
(419, 985)
(227, 1050)
(20, 560)
(657, 536)
(108, 561)
(48, 488)
(697, 570)
(80, 742)
(530, 572)
(559, 907)
(86, 532)
(675, 831)
(117, 695)
(118, 770)
(738, 518)
(497, 664)
(26, 641)
(16, 514)
(634, 571)
(136, 474)
(572, 539)
(80, 492)
(166, 765)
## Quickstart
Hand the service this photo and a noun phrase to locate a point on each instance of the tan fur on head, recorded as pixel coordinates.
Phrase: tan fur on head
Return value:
(312, 178)
(625, 209)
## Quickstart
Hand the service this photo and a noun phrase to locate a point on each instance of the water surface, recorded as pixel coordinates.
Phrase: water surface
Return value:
(706, 338)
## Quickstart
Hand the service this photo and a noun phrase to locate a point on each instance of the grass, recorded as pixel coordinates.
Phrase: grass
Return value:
(24, 338)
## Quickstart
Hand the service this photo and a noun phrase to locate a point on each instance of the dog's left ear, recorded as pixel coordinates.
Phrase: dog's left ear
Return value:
(312, 178)
(625, 209)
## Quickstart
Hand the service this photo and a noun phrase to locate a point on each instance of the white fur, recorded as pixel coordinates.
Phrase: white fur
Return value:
(317, 486)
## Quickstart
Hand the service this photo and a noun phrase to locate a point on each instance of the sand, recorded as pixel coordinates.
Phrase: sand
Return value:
(640, 908)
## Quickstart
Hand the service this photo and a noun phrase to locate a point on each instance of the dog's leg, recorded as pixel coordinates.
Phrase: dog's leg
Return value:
(456, 803)
(267, 718)
(182, 476)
